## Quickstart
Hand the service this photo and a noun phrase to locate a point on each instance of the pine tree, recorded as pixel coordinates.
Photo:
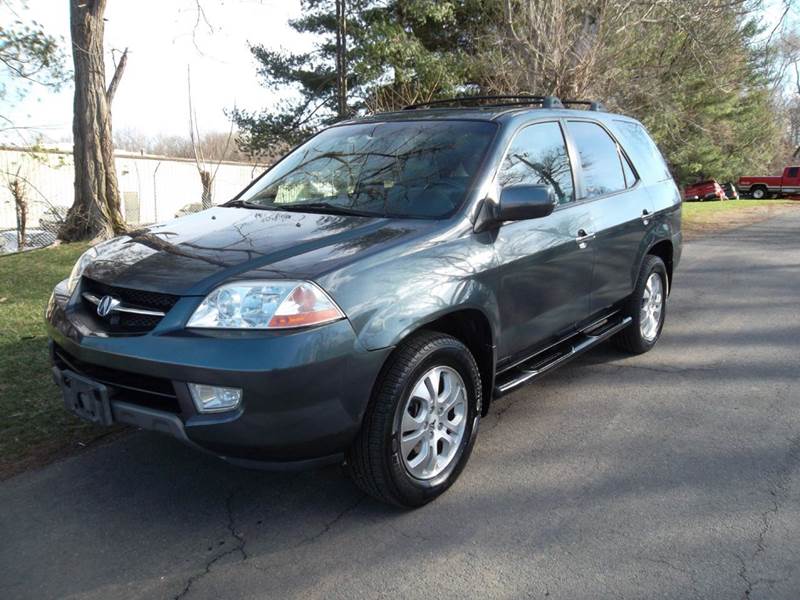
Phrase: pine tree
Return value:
(398, 52)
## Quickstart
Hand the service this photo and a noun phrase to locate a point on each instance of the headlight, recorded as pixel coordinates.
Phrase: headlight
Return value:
(265, 305)
(77, 271)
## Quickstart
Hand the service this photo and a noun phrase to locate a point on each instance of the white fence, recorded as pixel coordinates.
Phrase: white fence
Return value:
(153, 188)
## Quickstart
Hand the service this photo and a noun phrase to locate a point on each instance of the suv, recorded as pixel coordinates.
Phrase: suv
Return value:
(367, 298)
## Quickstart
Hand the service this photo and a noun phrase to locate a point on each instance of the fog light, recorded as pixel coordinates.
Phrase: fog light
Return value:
(210, 399)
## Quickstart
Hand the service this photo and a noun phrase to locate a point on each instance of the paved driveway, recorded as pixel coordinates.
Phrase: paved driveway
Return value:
(671, 475)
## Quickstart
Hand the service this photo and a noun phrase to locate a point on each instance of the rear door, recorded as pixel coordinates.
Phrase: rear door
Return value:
(544, 272)
(621, 211)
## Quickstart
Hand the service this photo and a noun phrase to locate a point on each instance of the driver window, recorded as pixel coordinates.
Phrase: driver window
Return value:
(538, 155)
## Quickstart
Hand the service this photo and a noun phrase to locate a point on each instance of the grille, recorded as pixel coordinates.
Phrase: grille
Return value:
(144, 390)
(139, 298)
(125, 322)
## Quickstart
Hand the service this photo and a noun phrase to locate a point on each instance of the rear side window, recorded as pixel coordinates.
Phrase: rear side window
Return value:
(600, 159)
(792, 172)
(538, 155)
(643, 151)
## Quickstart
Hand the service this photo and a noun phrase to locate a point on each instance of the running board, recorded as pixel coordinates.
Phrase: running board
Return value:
(557, 355)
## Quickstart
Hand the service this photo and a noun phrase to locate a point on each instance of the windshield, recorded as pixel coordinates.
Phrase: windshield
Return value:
(402, 169)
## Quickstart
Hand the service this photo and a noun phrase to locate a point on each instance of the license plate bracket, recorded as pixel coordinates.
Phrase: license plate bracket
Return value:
(84, 397)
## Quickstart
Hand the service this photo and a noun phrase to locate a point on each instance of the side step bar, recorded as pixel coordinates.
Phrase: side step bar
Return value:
(556, 355)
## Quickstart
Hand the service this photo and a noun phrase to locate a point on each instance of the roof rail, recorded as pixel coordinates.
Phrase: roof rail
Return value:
(592, 104)
(506, 100)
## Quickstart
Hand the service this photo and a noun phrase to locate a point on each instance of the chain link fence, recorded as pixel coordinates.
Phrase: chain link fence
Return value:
(36, 191)
(36, 220)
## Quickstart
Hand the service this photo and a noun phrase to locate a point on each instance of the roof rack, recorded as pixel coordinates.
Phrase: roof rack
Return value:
(505, 100)
(592, 104)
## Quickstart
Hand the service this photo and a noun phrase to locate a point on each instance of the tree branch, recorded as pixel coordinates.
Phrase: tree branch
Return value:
(118, 71)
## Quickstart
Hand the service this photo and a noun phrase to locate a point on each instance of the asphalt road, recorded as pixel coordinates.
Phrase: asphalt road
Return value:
(670, 475)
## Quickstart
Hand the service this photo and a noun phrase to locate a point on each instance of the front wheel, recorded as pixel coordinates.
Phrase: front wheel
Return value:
(647, 308)
(421, 424)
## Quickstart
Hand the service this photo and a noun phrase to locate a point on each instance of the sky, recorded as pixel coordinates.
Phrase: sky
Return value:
(163, 38)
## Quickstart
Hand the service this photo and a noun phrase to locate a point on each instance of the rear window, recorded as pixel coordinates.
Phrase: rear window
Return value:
(643, 151)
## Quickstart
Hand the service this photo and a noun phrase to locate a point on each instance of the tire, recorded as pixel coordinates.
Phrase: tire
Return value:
(376, 460)
(638, 338)
(758, 193)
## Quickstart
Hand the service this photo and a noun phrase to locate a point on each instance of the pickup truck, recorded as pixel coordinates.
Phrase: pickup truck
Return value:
(760, 187)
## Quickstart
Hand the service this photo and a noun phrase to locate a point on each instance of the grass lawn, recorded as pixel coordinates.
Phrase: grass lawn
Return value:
(34, 426)
(701, 218)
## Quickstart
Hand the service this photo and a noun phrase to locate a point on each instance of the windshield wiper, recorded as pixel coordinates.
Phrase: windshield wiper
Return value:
(246, 204)
(322, 207)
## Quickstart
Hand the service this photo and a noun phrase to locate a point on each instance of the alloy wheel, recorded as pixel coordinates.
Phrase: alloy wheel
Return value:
(433, 422)
(652, 307)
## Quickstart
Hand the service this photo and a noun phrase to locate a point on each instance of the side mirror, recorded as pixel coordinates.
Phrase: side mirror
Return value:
(522, 202)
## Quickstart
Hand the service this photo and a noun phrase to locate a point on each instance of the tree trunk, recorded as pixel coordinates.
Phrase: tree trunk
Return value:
(17, 189)
(95, 211)
(205, 179)
(341, 58)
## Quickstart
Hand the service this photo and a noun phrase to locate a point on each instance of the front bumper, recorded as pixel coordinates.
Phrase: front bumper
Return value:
(304, 391)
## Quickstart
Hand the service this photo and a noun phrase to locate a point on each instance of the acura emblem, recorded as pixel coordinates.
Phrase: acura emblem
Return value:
(106, 305)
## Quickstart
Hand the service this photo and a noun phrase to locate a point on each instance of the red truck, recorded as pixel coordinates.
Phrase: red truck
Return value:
(760, 187)
(704, 190)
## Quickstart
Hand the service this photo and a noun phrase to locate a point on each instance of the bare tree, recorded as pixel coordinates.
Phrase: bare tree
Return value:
(214, 145)
(205, 167)
(16, 186)
(582, 48)
(95, 212)
(388, 98)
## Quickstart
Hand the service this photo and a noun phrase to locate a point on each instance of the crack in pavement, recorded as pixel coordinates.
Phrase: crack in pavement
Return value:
(416, 537)
(316, 536)
(330, 524)
(239, 548)
(685, 572)
(778, 491)
(241, 542)
(743, 576)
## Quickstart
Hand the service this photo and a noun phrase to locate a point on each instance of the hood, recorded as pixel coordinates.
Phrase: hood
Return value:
(192, 254)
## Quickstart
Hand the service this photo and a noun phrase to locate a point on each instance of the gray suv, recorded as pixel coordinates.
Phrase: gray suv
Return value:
(367, 298)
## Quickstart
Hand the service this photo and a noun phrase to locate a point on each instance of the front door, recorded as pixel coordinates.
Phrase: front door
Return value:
(544, 271)
(790, 184)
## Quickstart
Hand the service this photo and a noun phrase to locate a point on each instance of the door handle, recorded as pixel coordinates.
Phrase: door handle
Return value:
(583, 237)
(646, 216)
